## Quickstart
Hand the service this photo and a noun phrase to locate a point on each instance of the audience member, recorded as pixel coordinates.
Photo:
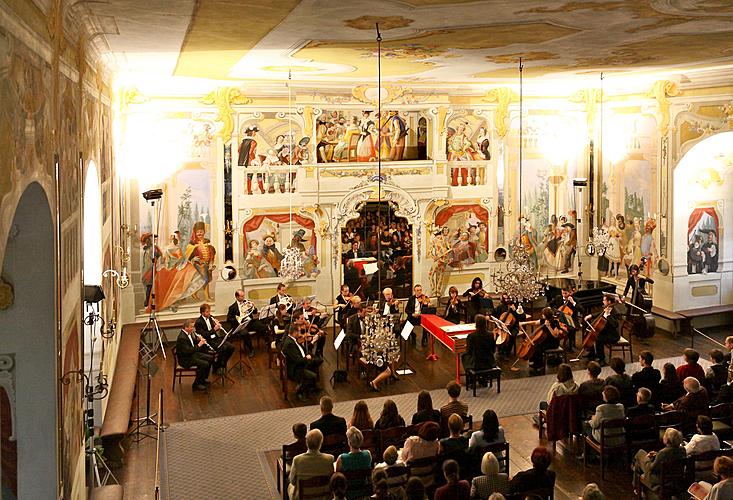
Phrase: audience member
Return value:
(648, 376)
(415, 490)
(717, 374)
(670, 387)
(425, 444)
(456, 442)
(591, 391)
(455, 487)
(704, 440)
(491, 480)
(723, 490)
(648, 466)
(310, 464)
(329, 423)
(391, 459)
(454, 405)
(355, 459)
(725, 394)
(643, 404)
(299, 432)
(361, 419)
(621, 381)
(425, 411)
(592, 492)
(338, 486)
(390, 417)
(538, 478)
(564, 384)
(691, 368)
(490, 433)
(610, 410)
(695, 400)
(381, 486)
(729, 346)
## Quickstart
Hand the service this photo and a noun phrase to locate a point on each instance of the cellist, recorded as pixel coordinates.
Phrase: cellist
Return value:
(571, 310)
(507, 312)
(606, 329)
(550, 340)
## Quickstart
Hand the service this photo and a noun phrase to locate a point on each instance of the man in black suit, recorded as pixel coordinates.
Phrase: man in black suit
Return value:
(302, 367)
(648, 376)
(351, 276)
(355, 327)
(210, 329)
(329, 424)
(387, 304)
(643, 404)
(356, 251)
(577, 311)
(413, 309)
(191, 352)
(725, 394)
(235, 315)
(609, 334)
(280, 296)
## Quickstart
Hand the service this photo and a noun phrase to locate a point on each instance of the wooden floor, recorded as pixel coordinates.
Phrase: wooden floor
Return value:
(259, 390)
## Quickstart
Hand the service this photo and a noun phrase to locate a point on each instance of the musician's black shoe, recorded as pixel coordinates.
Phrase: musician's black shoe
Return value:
(373, 387)
(199, 387)
(207, 383)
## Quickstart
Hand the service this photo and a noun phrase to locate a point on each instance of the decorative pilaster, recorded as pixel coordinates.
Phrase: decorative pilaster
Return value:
(590, 99)
(503, 96)
(661, 91)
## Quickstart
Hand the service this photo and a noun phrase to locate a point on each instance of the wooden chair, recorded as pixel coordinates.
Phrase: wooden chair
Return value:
(315, 488)
(359, 483)
(674, 479)
(569, 408)
(501, 450)
(642, 433)
(394, 436)
(467, 424)
(179, 371)
(335, 444)
(621, 346)
(702, 464)
(397, 477)
(668, 419)
(351, 149)
(721, 415)
(613, 440)
(490, 374)
(558, 353)
(283, 464)
(371, 442)
(424, 469)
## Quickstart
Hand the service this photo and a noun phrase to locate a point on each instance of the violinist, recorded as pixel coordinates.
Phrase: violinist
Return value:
(302, 367)
(572, 312)
(606, 332)
(550, 339)
(455, 311)
(480, 302)
(388, 304)
(310, 313)
(507, 312)
(343, 306)
(355, 327)
(210, 329)
(415, 304)
(281, 322)
(310, 333)
(480, 347)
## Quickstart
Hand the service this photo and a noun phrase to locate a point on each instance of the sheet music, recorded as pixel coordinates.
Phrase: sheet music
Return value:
(268, 311)
(406, 330)
(241, 326)
(339, 338)
(370, 268)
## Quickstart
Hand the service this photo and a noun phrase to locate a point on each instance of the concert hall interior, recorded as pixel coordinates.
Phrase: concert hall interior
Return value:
(335, 249)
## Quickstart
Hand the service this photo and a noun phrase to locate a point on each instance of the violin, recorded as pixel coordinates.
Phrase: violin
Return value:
(423, 299)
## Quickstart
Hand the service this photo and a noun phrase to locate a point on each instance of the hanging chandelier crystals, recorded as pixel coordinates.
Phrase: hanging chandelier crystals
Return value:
(599, 242)
(520, 280)
(291, 266)
(379, 345)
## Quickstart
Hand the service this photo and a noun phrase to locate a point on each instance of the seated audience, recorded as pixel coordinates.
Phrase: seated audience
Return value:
(391, 459)
(310, 464)
(611, 409)
(299, 432)
(491, 480)
(338, 486)
(455, 443)
(621, 381)
(454, 405)
(643, 404)
(355, 458)
(702, 442)
(729, 347)
(564, 384)
(490, 433)
(725, 394)
(415, 490)
(361, 419)
(723, 490)
(381, 486)
(455, 487)
(690, 368)
(648, 466)
(425, 411)
(717, 374)
(538, 478)
(648, 376)
(670, 387)
(390, 417)
(591, 391)
(695, 400)
(592, 492)
(329, 423)
(425, 444)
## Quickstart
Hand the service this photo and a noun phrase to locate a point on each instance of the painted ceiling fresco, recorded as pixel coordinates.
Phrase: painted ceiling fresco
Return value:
(432, 41)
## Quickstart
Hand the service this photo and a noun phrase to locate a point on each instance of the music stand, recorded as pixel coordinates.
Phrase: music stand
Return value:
(342, 374)
(241, 363)
(223, 377)
(405, 368)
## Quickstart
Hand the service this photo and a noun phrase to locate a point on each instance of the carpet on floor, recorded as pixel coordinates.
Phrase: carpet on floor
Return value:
(224, 457)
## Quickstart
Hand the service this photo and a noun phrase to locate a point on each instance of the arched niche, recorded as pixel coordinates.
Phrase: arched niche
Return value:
(27, 335)
(702, 202)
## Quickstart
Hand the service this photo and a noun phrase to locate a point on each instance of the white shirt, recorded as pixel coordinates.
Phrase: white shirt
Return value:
(302, 352)
(386, 309)
(190, 337)
(700, 443)
(418, 307)
(208, 324)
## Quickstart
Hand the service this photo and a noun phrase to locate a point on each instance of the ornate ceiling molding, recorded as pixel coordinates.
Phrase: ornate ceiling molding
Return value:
(661, 91)
(224, 98)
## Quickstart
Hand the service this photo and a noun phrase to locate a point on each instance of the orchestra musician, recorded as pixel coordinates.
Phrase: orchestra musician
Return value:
(210, 329)
(609, 333)
(550, 340)
(455, 311)
(415, 304)
(302, 367)
(637, 285)
(388, 304)
(572, 311)
(280, 296)
(507, 312)
(480, 302)
(236, 315)
(191, 351)
(307, 319)
(355, 327)
(480, 347)
(343, 306)
(280, 322)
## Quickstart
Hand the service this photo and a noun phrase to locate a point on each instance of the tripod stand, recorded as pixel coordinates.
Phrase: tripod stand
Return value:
(151, 338)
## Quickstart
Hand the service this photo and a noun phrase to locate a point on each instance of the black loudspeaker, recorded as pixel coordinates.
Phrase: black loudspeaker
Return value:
(93, 294)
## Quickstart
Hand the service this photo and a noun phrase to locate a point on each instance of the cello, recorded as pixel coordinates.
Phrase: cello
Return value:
(591, 335)
(500, 331)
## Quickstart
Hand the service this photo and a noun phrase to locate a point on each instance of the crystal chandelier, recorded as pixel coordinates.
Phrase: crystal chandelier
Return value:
(599, 242)
(521, 280)
(291, 265)
(379, 345)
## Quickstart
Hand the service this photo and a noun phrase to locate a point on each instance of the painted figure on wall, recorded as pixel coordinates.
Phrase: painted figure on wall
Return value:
(271, 253)
(255, 265)
(616, 243)
(702, 240)
(397, 131)
(248, 156)
(262, 237)
(648, 248)
(149, 259)
(483, 144)
(175, 277)
(633, 247)
(695, 256)
(440, 252)
(460, 148)
(710, 251)
(200, 252)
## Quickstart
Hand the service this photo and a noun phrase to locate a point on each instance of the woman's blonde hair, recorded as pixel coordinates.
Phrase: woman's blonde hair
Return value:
(489, 464)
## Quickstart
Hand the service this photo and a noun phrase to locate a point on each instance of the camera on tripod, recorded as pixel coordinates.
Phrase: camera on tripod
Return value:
(153, 194)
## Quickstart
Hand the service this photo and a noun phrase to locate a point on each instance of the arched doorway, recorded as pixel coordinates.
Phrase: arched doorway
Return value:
(27, 330)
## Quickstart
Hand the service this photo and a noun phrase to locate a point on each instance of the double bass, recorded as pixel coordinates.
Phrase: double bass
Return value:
(642, 323)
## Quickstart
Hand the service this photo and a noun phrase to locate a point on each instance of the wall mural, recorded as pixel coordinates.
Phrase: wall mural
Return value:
(467, 139)
(702, 239)
(265, 237)
(352, 136)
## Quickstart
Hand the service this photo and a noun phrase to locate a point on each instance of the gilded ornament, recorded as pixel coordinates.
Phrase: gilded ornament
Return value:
(130, 95)
(394, 92)
(7, 295)
(588, 97)
(224, 98)
(503, 96)
(661, 91)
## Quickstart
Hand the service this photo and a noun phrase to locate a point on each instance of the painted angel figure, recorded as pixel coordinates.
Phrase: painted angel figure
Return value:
(440, 250)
